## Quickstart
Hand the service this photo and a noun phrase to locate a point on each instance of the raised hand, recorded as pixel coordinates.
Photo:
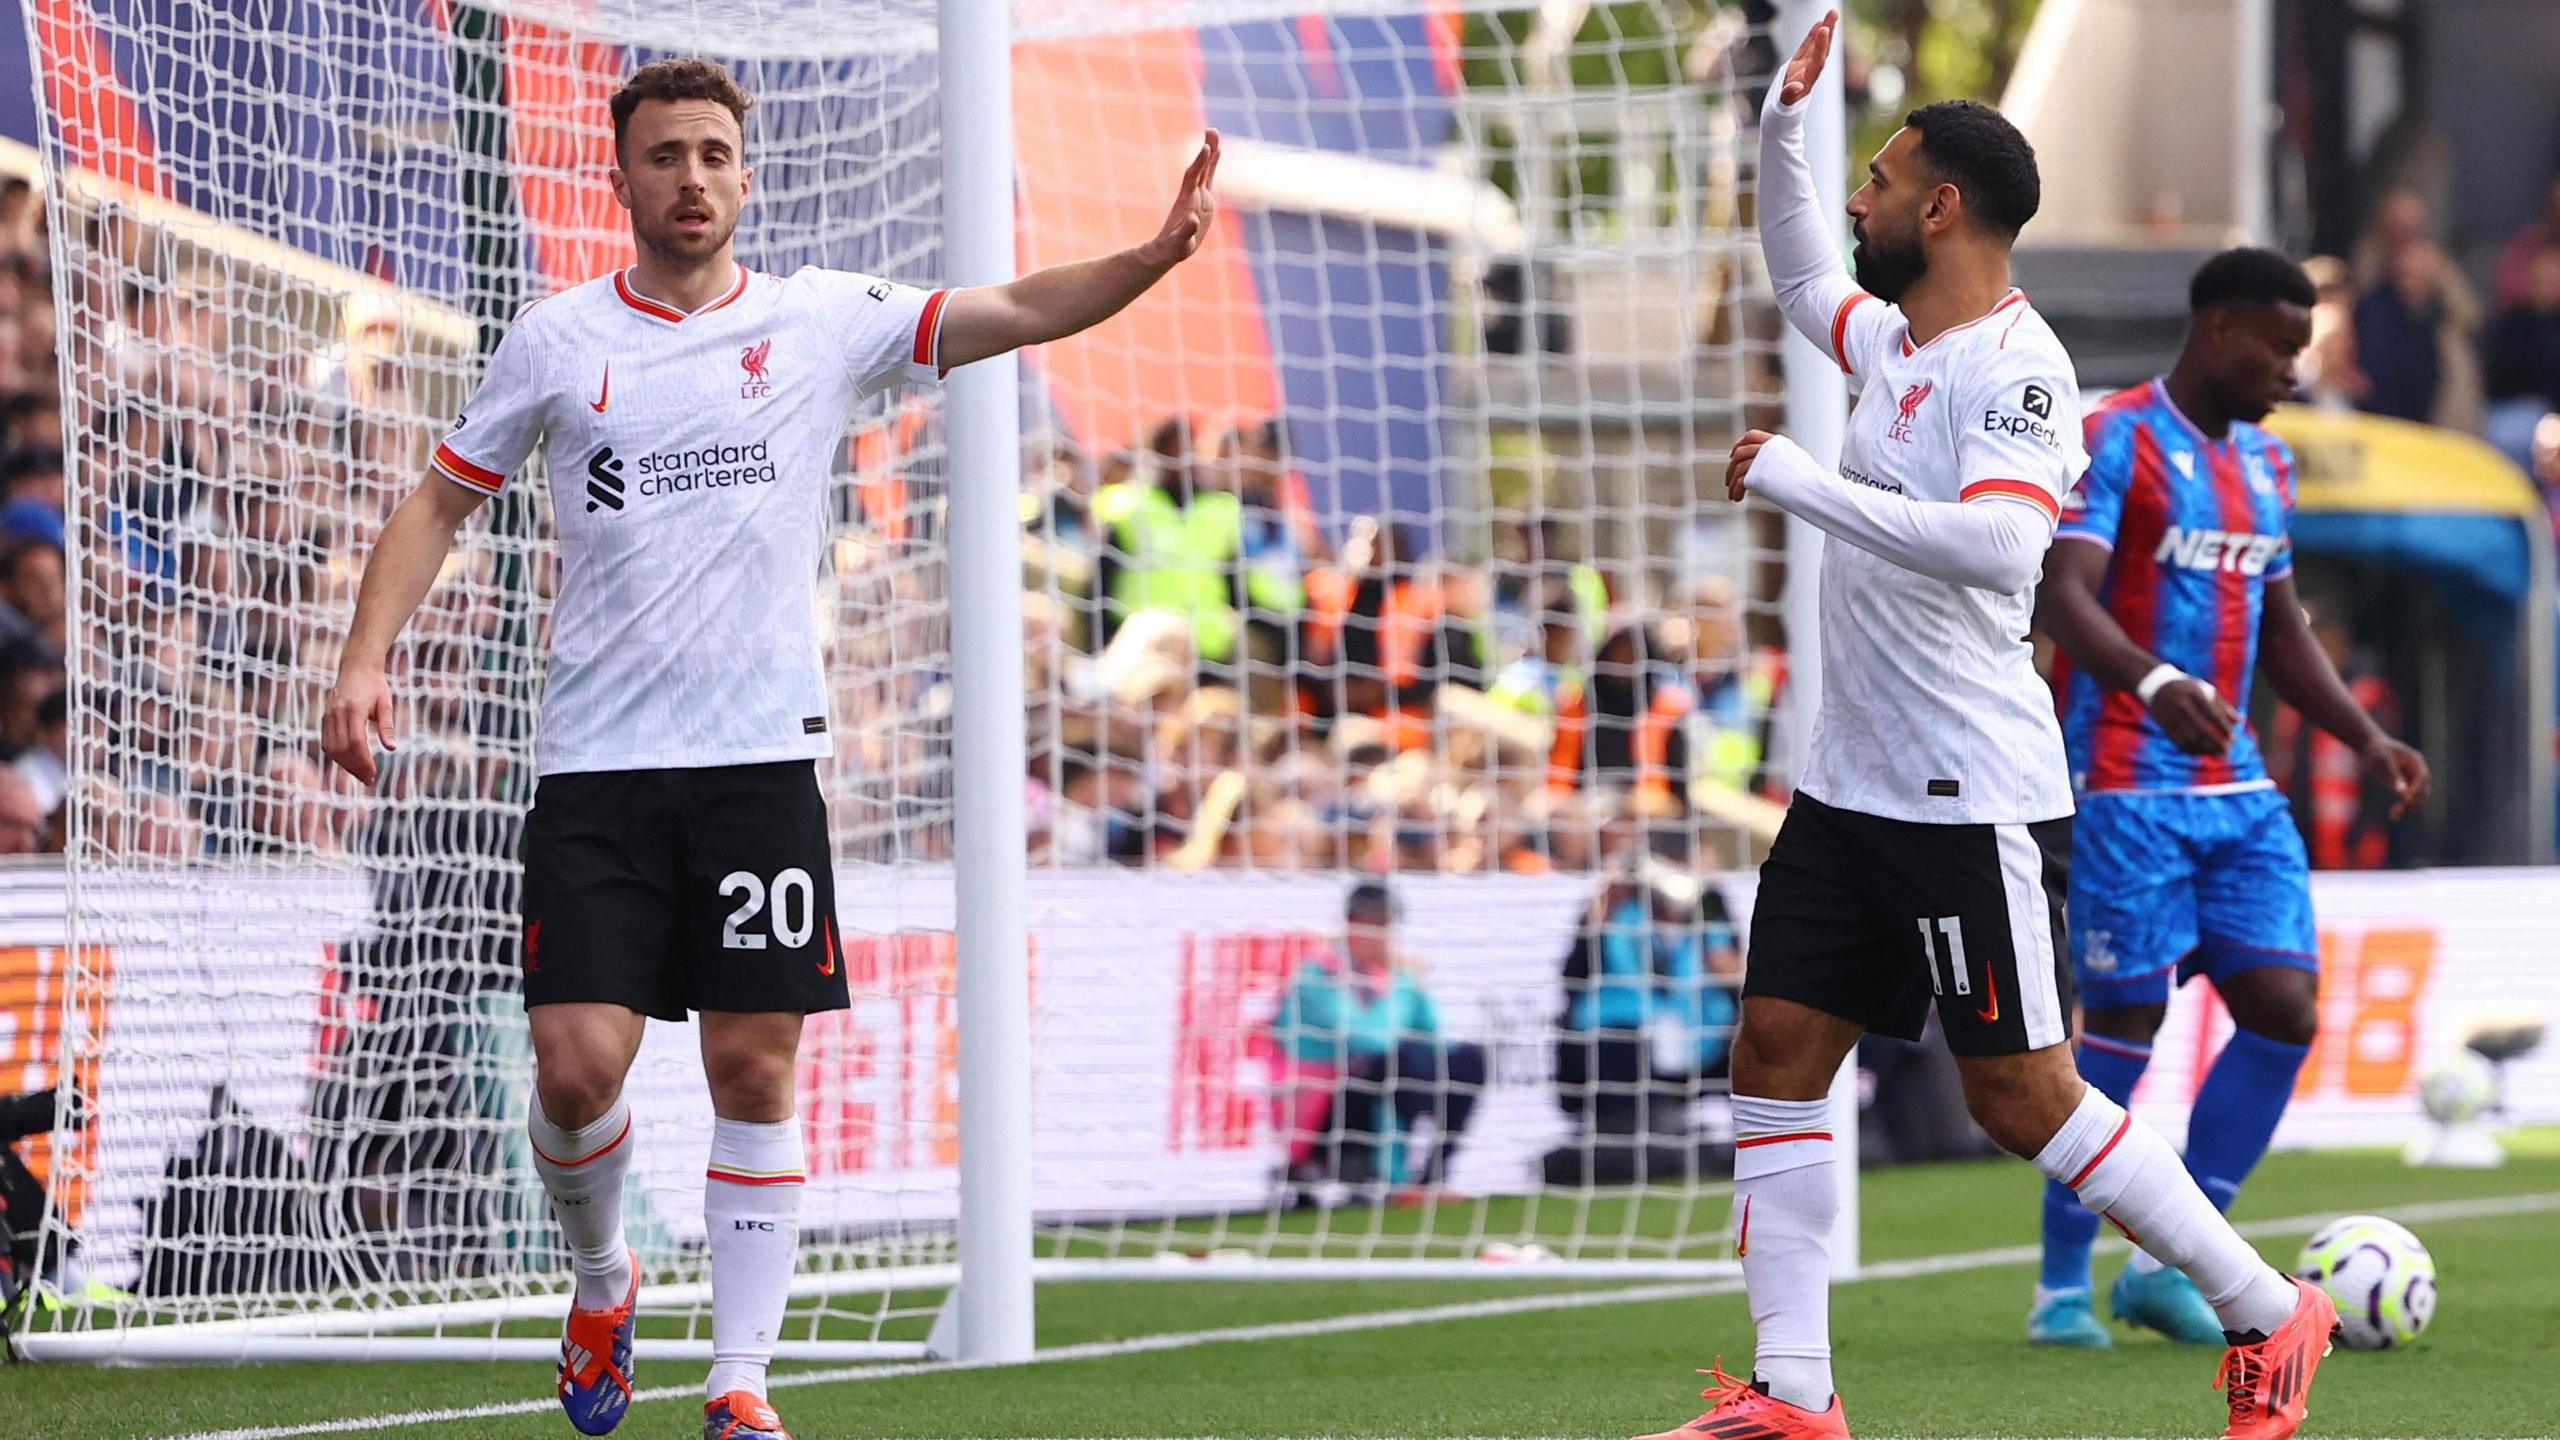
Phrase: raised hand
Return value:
(1797, 80)
(1193, 208)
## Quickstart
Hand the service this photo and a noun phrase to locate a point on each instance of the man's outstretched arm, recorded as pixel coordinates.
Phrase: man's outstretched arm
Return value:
(1057, 302)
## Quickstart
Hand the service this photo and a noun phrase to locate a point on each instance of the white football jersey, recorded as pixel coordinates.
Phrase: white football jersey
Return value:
(689, 457)
(1931, 706)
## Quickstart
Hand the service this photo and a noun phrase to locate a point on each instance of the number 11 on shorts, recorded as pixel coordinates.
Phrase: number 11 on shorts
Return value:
(1951, 930)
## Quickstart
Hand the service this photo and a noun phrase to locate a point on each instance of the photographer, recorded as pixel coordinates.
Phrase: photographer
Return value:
(1649, 1007)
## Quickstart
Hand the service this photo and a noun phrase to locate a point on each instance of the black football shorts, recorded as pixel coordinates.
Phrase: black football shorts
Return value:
(1870, 919)
(666, 891)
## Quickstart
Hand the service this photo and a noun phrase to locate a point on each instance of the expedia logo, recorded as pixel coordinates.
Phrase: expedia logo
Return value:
(2000, 422)
(604, 480)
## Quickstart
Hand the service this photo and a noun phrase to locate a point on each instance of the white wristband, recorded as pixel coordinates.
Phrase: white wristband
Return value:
(2162, 676)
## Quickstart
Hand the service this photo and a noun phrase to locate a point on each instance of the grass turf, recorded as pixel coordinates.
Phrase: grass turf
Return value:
(1939, 1355)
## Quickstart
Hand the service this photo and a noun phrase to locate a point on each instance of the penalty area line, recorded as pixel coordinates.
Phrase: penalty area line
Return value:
(1919, 1267)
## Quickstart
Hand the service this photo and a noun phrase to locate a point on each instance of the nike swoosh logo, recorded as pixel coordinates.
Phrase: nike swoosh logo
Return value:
(1990, 1014)
(604, 396)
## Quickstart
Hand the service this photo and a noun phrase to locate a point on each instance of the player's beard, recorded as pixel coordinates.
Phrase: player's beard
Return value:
(663, 240)
(1886, 269)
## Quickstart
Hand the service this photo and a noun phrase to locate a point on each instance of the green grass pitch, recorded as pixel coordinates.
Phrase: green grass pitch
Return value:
(1935, 1354)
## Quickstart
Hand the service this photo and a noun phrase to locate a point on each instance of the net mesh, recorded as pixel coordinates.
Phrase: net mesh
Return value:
(1385, 536)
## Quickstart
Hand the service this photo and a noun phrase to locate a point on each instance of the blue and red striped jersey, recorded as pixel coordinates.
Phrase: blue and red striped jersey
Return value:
(2196, 527)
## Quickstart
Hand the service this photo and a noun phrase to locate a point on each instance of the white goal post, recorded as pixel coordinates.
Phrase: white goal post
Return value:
(1462, 360)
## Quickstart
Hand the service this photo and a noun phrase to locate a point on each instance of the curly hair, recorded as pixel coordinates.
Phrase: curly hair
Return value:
(1976, 148)
(677, 80)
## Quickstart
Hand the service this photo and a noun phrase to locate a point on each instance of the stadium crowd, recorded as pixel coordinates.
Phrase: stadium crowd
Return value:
(1214, 676)
(1215, 683)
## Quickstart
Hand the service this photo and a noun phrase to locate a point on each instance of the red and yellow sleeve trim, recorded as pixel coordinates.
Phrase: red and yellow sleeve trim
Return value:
(929, 330)
(728, 1176)
(2026, 490)
(1840, 329)
(461, 471)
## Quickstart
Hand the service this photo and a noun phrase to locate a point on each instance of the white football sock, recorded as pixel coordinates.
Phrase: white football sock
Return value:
(2124, 1171)
(582, 1171)
(1785, 1197)
(751, 1204)
(2143, 1262)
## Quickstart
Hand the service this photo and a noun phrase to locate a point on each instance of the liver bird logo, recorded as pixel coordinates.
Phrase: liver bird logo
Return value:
(1908, 407)
(754, 356)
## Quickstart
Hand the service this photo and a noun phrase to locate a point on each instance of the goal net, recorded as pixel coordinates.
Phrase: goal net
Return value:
(1385, 538)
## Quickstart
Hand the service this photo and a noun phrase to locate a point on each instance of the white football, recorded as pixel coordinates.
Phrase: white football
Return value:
(2458, 1088)
(2381, 1277)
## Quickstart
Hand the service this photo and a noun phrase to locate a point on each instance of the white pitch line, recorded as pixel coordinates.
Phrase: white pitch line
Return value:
(2492, 1207)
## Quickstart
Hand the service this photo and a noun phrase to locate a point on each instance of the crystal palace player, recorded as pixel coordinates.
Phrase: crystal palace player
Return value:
(676, 858)
(2171, 574)
(1917, 858)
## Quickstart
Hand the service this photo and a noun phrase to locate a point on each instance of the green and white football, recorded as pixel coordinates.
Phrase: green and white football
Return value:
(2381, 1276)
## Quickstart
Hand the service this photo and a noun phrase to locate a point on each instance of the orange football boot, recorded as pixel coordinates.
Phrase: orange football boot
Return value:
(1741, 1412)
(2268, 1384)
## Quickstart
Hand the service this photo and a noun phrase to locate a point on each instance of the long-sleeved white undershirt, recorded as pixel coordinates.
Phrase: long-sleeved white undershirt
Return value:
(1992, 544)
(1801, 250)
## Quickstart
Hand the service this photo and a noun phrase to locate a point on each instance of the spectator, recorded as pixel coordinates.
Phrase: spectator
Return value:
(32, 473)
(31, 599)
(2330, 378)
(1171, 542)
(2516, 262)
(46, 765)
(1533, 576)
(1380, 640)
(1651, 990)
(1280, 521)
(2400, 257)
(1626, 727)
(2524, 361)
(22, 815)
(2399, 323)
(20, 216)
(32, 419)
(1277, 537)
(1357, 1039)
(1734, 688)
(28, 674)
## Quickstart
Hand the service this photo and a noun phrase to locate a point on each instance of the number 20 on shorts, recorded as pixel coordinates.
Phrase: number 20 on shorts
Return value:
(794, 898)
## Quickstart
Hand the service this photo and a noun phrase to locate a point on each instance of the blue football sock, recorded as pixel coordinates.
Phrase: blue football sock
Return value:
(2114, 1067)
(2242, 1098)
